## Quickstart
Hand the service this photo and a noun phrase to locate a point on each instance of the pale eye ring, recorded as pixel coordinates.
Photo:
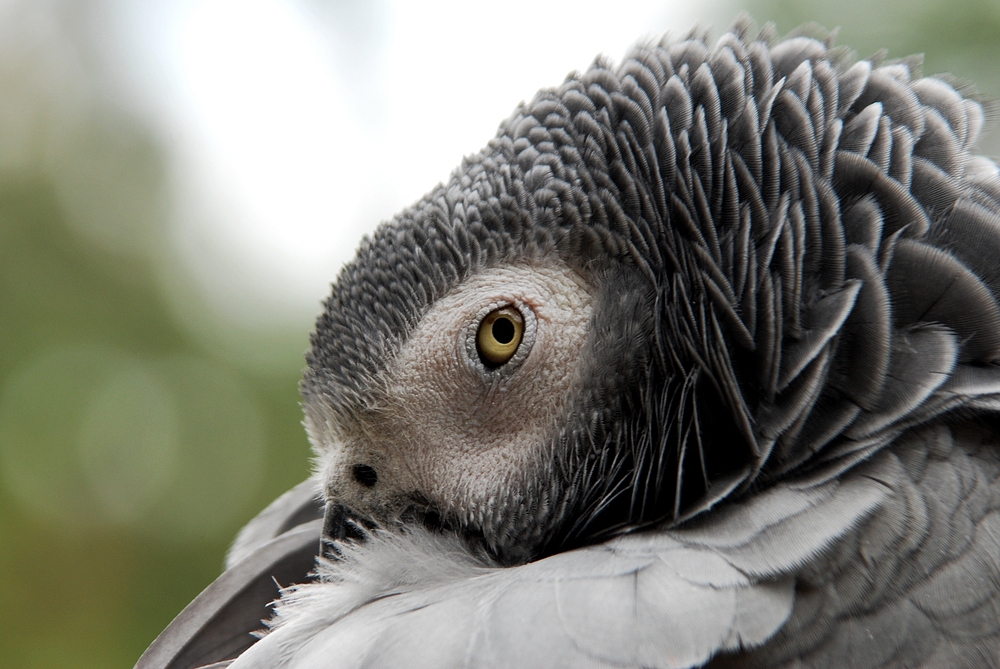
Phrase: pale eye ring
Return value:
(499, 335)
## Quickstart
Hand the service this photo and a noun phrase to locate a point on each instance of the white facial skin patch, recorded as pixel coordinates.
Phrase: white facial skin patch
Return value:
(454, 429)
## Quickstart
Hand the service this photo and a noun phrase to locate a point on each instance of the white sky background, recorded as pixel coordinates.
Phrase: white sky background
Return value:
(296, 126)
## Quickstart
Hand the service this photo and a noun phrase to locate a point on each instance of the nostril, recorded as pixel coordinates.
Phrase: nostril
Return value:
(365, 475)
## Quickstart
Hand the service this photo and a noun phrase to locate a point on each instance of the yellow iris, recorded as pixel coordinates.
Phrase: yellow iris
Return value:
(499, 335)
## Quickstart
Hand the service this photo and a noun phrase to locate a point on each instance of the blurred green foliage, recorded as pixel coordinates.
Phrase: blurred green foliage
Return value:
(85, 587)
(132, 447)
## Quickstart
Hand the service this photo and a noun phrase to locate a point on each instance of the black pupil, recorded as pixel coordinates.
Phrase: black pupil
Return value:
(503, 330)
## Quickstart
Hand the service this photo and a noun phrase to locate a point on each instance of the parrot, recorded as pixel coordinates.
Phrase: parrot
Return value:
(695, 364)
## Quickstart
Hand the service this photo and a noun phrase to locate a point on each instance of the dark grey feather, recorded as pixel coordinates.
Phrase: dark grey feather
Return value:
(822, 321)
(220, 623)
(859, 133)
(922, 359)
(300, 505)
(929, 285)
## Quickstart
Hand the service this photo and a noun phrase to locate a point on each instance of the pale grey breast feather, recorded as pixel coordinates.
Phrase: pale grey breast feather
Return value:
(892, 564)
(668, 599)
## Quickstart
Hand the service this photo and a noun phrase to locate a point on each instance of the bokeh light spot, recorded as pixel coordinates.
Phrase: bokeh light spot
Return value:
(173, 447)
(42, 406)
(221, 455)
(128, 442)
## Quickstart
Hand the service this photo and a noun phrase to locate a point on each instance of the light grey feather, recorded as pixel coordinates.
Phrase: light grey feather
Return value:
(668, 599)
(636, 601)
(301, 504)
(915, 584)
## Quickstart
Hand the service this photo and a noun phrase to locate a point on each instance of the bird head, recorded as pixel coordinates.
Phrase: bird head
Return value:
(460, 421)
(661, 284)
(530, 355)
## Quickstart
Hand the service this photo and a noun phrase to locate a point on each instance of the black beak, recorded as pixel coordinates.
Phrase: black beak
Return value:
(341, 523)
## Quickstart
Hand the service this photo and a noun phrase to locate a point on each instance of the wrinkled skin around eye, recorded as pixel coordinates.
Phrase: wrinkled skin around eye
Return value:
(450, 431)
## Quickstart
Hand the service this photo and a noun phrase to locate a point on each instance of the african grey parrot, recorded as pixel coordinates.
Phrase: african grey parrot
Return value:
(695, 364)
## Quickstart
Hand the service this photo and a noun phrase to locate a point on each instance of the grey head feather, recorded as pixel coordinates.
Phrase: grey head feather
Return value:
(779, 229)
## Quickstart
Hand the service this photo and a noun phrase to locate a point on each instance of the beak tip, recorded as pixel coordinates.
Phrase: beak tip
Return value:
(341, 523)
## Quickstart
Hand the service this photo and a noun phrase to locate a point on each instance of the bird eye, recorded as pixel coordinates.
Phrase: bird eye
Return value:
(500, 333)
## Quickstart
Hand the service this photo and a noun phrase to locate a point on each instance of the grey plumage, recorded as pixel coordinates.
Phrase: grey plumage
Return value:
(782, 446)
